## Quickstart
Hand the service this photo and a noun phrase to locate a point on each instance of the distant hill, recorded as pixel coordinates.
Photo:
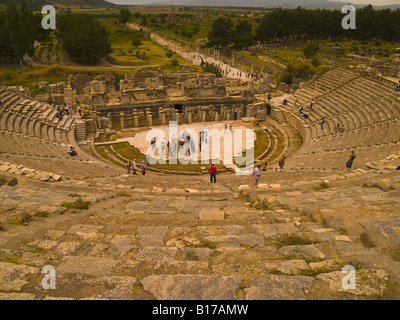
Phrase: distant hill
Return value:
(37, 4)
(308, 4)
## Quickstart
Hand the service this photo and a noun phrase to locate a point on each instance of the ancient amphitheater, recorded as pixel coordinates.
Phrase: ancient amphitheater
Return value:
(110, 235)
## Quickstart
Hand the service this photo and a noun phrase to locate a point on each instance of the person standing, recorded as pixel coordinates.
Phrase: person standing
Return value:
(322, 123)
(213, 173)
(128, 167)
(281, 163)
(349, 163)
(143, 168)
(257, 174)
(134, 167)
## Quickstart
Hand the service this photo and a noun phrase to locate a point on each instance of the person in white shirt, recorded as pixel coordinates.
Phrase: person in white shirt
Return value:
(257, 174)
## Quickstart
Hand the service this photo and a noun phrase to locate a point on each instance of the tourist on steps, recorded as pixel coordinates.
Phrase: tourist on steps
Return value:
(213, 173)
(257, 174)
(281, 163)
(349, 163)
(143, 168)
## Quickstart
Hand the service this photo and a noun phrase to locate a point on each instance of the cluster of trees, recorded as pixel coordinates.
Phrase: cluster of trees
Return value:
(223, 33)
(19, 28)
(212, 68)
(83, 38)
(303, 24)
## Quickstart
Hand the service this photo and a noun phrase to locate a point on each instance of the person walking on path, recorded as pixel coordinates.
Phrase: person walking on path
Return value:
(213, 173)
(349, 163)
(143, 168)
(257, 174)
(134, 167)
(281, 163)
(128, 167)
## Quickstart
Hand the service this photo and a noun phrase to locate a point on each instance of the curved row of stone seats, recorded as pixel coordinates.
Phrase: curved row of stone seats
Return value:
(344, 107)
(30, 130)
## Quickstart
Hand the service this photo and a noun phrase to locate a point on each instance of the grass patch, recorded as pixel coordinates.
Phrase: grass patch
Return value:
(78, 204)
(294, 239)
(276, 272)
(322, 186)
(261, 143)
(2, 182)
(41, 214)
(122, 194)
(11, 209)
(129, 152)
(22, 221)
(204, 243)
(216, 200)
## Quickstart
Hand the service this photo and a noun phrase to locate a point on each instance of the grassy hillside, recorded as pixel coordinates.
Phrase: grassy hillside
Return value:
(38, 4)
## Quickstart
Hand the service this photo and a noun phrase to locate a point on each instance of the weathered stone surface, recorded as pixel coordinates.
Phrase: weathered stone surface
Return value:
(307, 251)
(292, 266)
(248, 240)
(266, 230)
(158, 256)
(151, 236)
(211, 214)
(12, 276)
(16, 296)
(243, 187)
(67, 248)
(274, 287)
(192, 287)
(94, 266)
(43, 244)
(122, 288)
(371, 282)
(342, 238)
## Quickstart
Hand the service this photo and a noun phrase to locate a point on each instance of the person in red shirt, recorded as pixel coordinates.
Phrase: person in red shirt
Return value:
(213, 173)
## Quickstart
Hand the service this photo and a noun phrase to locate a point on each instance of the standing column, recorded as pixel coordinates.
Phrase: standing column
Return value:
(121, 115)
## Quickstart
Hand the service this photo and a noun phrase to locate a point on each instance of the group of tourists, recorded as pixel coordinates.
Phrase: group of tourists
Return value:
(66, 109)
(339, 128)
(305, 114)
(72, 152)
(132, 165)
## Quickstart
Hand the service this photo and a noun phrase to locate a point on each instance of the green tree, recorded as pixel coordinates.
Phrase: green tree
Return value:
(310, 49)
(144, 20)
(21, 29)
(211, 68)
(84, 38)
(124, 15)
(242, 36)
(220, 33)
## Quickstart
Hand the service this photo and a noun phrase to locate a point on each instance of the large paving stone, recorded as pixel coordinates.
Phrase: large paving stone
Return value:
(158, 256)
(94, 266)
(151, 236)
(211, 214)
(192, 287)
(306, 251)
(12, 276)
(276, 287)
(368, 283)
(292, 266)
